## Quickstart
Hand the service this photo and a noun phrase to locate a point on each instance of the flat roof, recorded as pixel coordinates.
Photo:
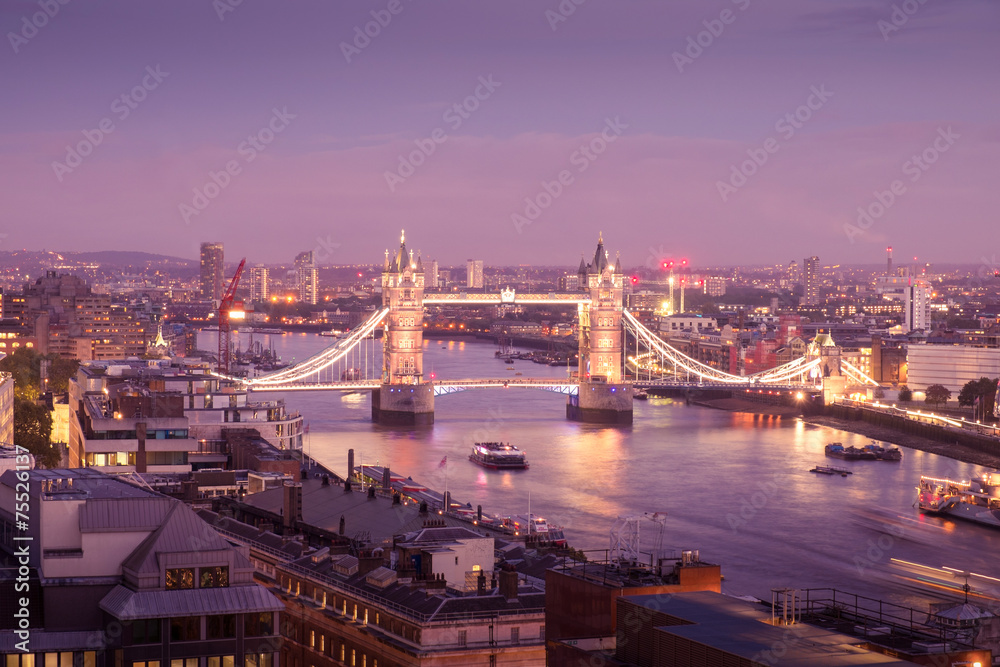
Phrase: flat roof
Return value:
(322, 507)
(78, 484)
(742, 628)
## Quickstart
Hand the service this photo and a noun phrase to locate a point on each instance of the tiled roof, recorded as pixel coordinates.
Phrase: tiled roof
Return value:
(126, 604)
(101, 515)
(181, 531)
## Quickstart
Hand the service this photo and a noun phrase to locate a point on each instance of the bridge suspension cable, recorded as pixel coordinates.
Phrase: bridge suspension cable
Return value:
(655, 344)
(314, 366)
(799, 368)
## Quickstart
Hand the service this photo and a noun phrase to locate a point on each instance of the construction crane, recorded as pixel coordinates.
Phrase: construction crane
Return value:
(229, 309)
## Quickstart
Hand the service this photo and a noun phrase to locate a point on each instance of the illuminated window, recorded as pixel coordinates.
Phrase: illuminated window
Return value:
(180, 578)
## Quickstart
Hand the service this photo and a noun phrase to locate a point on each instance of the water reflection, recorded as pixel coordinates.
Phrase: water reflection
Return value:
(736, 486)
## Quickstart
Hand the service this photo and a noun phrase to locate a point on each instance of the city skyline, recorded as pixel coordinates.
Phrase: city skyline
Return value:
(295, 120)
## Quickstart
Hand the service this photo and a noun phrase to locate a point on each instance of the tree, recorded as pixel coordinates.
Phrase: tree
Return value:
(24, 366)
(32, 430)
(905, 395)
(709, 308)
(983, 389)
(878, 393)
(937, 394)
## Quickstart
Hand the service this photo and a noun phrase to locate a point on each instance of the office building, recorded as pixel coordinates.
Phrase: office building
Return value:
(474, 273)
(132, 416)
(703, 629)
(949, 365)
(422, 592)
(308, 277)
(212, 274)
(259, 287)
(810, 281)
(118, 575)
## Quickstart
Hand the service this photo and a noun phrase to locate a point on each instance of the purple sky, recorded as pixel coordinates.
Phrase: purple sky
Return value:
(655, 189)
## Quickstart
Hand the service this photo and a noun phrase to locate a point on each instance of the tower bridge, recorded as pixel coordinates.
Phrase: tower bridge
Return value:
(602, 389)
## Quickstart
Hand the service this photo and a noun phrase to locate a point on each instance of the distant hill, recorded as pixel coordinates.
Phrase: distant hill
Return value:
(126, 257)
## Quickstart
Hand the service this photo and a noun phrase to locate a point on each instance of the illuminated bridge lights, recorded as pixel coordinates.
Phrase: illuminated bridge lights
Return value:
(659, 358)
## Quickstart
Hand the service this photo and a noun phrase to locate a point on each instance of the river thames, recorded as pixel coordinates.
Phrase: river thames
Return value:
(735, 486)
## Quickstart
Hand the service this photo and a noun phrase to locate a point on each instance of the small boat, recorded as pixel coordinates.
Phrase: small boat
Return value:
(510, 368)
(831, 470)
(640, 395)
(498, 456)
(332, 333)
(852, 453)
(884, 453)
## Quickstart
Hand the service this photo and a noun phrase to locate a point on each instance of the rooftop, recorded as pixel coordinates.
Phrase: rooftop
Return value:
(742, 628)
(78, 484)
(322, 507)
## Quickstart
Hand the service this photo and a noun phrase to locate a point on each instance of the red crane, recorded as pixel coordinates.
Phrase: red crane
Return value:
(229, 307)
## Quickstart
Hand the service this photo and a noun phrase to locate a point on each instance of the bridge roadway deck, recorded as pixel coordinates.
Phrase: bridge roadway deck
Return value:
(443, 387)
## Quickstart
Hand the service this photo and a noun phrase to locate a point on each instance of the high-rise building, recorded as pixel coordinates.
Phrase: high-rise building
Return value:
(888, 261)
(212, 275)
(714, 286)
(307, 276)
(474, 273)
(810, 281)
(259, 288)
(792, 272)
(431, 275)
(917, 306)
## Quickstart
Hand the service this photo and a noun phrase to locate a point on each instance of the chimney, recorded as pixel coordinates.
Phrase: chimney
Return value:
(368, 564)
(350, 464)
(140, 455)
(386, 481)
(481, 583)
(189, 490)
(508, 583)
(292, 513)
(371, 493)
(343, 524)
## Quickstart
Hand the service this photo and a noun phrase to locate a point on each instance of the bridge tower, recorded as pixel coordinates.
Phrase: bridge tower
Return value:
(604, 397)
(403, 398)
